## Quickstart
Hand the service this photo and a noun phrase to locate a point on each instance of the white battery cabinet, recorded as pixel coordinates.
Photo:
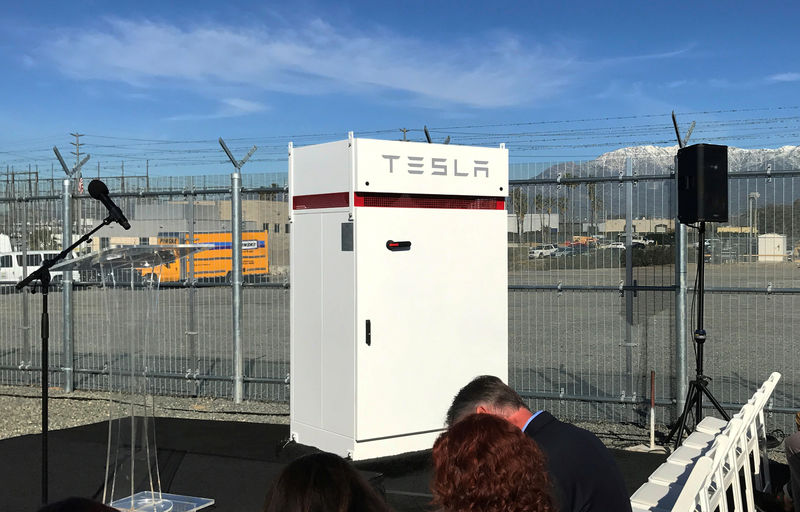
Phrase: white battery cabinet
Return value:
(399, 289)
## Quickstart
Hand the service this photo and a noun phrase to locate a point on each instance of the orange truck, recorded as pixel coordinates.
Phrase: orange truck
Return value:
(216, 262)
(583, 240)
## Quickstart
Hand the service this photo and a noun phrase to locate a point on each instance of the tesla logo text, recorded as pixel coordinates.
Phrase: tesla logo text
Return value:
(436, 166)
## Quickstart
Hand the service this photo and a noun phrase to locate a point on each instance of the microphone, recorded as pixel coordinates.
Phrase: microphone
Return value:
(99, 191)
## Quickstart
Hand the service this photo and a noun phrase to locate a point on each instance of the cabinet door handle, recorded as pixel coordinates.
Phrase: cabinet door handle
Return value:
(398, 246)
(369, 333)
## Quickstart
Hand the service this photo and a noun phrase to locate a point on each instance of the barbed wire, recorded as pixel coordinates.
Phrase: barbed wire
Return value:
(524, 139)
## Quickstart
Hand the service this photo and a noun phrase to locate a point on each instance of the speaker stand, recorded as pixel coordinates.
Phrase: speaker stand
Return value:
(699, 386)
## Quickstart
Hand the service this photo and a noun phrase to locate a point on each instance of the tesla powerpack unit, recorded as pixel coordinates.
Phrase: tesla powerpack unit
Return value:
(399, 288)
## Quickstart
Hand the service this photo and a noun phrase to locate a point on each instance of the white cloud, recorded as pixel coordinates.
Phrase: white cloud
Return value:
(627, 59)
(785, 77)
(490, 71)
(239, 106)
(230, 107)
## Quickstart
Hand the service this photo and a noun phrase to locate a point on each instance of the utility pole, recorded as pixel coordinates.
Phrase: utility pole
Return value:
(78, 181)
(77, 154)
(75, 171)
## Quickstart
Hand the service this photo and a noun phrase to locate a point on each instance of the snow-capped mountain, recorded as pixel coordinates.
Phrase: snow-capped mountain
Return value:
(652, 198)
(739, 160)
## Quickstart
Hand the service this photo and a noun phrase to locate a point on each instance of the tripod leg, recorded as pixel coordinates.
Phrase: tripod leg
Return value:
(717, 406)
(676, 427)
(679, 427)
(691, 400)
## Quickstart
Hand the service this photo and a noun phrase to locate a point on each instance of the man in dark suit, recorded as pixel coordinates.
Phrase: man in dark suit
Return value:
(583, 472)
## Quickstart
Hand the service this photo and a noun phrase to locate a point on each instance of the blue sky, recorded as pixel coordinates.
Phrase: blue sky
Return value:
(161, 81)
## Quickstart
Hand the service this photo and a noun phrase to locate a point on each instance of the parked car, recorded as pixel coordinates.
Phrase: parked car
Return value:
(643, 241)
(564, 251)
(613, 245)
(636, 241)
(541, 251)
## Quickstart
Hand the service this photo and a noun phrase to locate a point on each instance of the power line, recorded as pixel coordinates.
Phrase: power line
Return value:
(750, 127)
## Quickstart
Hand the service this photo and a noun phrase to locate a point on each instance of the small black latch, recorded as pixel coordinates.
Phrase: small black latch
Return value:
(369, 333)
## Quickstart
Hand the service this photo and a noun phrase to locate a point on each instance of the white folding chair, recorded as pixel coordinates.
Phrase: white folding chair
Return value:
(713, 494)
(711, 425)
(655, 497)
(757, 436)
(670, 473)
(737, 460)
(690, 500)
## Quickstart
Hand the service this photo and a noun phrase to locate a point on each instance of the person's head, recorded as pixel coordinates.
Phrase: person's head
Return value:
(484, 394)
(76, 504)
(484, 463)
(322, 482)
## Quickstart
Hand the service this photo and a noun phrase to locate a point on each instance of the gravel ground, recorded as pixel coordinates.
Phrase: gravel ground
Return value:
(22, 412)
(21, 415)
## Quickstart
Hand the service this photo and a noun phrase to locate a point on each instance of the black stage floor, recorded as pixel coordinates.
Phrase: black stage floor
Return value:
(234, 463)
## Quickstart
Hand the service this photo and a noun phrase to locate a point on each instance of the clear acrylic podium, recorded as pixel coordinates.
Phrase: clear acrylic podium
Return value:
(132, 476)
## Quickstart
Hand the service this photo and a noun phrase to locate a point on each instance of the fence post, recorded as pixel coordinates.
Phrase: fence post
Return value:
(236, 270)
(26, 319)
(192, 331)
(66, 293)
(629, 343)
(236, 284)
(681, 329)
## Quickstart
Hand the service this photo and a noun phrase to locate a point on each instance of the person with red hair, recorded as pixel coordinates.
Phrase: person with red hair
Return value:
(583, 471)
(484, 463)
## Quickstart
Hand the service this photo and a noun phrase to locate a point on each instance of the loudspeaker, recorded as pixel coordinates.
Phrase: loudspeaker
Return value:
(703, 183)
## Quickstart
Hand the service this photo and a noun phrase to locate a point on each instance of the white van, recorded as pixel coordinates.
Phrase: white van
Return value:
(11, 269)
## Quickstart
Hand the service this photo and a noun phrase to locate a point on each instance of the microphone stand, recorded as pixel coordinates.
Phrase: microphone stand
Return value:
(42, 274)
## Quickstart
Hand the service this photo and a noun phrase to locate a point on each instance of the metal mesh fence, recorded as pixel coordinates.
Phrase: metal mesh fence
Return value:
(592, 287)
(752, 290)
(589, 322)
(34, 229)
